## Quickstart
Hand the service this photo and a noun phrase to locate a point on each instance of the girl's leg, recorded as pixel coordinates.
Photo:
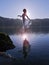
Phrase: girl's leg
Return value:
(24, 27)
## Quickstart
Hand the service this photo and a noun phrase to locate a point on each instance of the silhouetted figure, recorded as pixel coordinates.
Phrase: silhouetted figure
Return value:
(26, 48)
(23, 17)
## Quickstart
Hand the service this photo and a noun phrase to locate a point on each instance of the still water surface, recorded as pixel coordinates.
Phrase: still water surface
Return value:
(38, 53)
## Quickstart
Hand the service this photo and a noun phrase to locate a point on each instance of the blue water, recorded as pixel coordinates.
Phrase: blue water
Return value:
(38, 53)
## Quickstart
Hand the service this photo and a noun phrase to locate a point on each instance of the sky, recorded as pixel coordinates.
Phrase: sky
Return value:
(35, 8)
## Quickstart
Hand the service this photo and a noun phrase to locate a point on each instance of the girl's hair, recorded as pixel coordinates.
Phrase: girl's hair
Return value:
(24, 10)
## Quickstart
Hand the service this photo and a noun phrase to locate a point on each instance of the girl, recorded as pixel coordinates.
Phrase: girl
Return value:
(23, 17)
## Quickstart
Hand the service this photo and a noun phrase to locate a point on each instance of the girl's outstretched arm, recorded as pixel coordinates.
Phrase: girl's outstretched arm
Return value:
(19, 16)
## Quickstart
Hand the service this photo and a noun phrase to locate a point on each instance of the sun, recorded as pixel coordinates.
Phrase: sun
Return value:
(29, 13)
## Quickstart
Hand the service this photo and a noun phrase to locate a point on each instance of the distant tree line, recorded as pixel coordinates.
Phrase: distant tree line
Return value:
(16, 24)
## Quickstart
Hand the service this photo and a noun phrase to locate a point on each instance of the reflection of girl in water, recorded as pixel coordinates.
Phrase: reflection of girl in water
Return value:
(23, 16)
(26, 47)
(26, 43)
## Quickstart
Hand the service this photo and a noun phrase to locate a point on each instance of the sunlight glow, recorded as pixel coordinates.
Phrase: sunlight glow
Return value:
(28, 13)
(24, 36)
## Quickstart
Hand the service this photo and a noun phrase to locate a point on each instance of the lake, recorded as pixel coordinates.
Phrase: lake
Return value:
(38, 53)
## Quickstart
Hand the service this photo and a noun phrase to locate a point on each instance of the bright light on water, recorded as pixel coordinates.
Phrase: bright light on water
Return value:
(24, 36)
